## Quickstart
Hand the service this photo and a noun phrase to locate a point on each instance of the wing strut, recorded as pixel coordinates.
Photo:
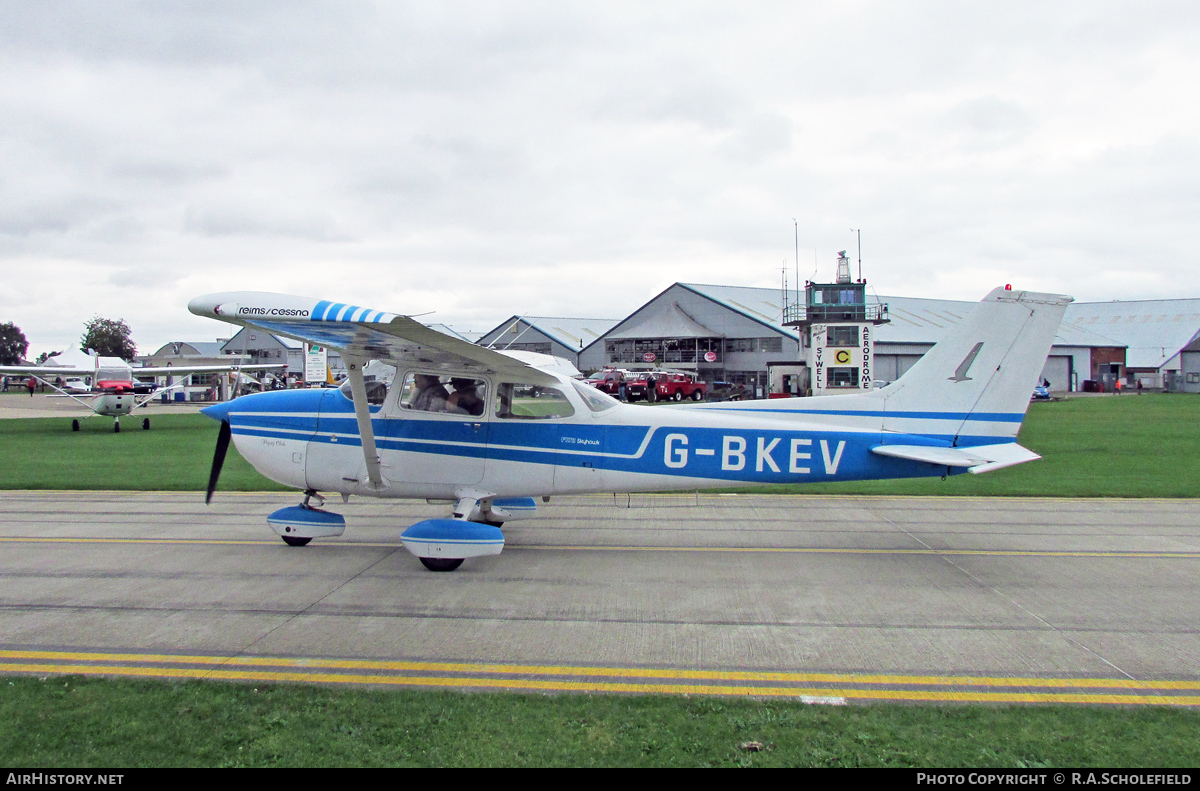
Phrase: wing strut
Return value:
(362, 411)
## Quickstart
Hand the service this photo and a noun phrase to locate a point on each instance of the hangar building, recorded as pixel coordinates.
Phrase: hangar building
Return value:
(561, 337)
(730, 333)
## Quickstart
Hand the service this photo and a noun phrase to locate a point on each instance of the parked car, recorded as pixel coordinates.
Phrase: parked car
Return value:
(635, 387)
(76, 385)
(1041, 393)
(726, 391)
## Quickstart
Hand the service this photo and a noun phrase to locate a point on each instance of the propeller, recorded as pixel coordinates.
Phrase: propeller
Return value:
(218, 459)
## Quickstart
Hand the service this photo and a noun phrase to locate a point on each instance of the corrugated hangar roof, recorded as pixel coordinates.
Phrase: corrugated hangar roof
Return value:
(760, 304)
(446, 329)
(670, 323)
(572, 333)
(914, 320)
(1153, 330)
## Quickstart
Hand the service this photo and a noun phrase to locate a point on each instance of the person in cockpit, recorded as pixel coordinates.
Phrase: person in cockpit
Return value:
(465, 398)
(431, 396)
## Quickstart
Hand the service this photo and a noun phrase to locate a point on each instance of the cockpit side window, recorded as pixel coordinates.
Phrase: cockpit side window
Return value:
(454, 395)
(515, 401)
(376, 391)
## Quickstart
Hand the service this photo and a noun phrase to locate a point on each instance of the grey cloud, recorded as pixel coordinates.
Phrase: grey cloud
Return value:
(263, 220)
(549, 155)
(157, 274)
(990, 122)
(762, 136)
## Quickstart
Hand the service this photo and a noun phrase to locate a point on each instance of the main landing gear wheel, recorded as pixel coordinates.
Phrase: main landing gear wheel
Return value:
(296, 541)
(441, 564)
(145, 424)
(74, 425)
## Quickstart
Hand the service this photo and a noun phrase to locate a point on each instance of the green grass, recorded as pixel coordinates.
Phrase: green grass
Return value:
(1126, 446)
(174, 455)
(1119, 446)
(71, 721)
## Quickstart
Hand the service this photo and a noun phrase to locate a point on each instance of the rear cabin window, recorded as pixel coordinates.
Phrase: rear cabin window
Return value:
(531, 402)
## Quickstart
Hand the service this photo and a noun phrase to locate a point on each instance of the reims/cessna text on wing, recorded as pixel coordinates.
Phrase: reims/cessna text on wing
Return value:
(491, 431)
(111, 381)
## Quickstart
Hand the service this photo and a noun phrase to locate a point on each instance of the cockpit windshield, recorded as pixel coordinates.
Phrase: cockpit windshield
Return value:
(595, 400)
(376, 391)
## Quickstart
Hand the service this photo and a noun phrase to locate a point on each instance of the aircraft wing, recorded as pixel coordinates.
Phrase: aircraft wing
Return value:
(184, 370)
(361, 332)
(176, 370)
(46, 370)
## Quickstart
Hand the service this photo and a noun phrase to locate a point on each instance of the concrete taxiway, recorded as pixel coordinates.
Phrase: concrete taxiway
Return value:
(821, 598)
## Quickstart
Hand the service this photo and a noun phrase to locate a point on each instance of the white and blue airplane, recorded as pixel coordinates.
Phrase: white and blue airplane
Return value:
(490, 431)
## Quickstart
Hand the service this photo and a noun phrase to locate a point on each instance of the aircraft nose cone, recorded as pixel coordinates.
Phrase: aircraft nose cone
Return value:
(217, 411)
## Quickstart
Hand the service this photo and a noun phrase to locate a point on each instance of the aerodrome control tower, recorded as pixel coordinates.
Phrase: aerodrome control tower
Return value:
(837, 329)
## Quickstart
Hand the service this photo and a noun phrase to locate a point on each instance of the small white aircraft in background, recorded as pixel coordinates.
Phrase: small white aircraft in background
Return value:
(110, 383)
(489, 431)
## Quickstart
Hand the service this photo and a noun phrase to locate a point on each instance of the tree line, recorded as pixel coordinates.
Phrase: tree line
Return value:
(106, 337)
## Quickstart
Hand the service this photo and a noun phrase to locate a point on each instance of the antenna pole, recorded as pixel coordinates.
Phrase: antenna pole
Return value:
(797, 227)
(859, 232)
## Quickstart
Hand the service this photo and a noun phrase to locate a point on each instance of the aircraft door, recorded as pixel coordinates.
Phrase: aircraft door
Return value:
(436, 431)
(335, 459)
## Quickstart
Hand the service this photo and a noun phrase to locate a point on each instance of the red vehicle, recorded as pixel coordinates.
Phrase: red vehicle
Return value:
(637, 386)
(608, 380)
(678, 386)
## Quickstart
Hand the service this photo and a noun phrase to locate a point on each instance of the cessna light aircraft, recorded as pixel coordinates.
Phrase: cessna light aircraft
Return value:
(112, 382)
(489, 430)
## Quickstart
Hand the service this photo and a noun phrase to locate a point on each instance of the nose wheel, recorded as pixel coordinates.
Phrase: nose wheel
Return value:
(441, 564)
(300, 524)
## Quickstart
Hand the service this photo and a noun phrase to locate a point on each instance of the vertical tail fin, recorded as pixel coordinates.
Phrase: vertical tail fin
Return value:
(983, 372)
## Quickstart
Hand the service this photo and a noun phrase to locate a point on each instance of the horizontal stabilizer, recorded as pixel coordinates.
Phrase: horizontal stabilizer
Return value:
(981, 458)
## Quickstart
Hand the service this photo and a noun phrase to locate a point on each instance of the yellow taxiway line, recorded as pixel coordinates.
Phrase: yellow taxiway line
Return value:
(266, 542)
(850, 686)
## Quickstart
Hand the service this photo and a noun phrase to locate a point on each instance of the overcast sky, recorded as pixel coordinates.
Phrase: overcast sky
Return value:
(573, 159)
